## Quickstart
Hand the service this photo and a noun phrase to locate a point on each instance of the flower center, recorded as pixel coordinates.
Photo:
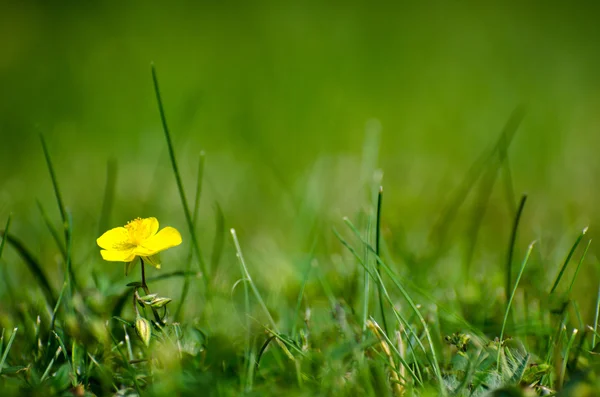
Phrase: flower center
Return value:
(138, 231)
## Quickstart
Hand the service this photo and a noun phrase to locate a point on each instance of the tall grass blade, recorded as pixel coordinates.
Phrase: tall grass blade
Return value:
(510, 300)
(248, 277)
(563, 370)
(568, 259)
(377, 252)
(188, 267)
(7, 349)
(300, 296)
(184, 202)
(6, 228)
(59, 200)
(511, 246)
(438, 236)
(366, 281)
(217, 248)
(63, 213)
(433, 359)
(587, 247)
(489, 180)
(34, 267)
(109, 196)
(596, 315)
(55, 236)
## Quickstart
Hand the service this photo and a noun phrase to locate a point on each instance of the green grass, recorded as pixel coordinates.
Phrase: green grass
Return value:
(323, 339)
(274, 135)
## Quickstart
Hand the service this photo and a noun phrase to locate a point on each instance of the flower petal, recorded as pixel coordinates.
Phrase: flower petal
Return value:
(115, 239)
(118, 256)
(166, 238)
(149, 227)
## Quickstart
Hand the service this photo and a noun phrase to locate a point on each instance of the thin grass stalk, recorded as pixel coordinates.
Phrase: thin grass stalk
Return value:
(510, 300)
(596, 315)
(247, 275)
(53, 231)
(4, 235)
(188, 267)
(563, 370)
(587, 247)
(377, 252)
(433, 357)
(511, 246)
(413, 306)
(366, 283)
(184, 202)
(568, 259)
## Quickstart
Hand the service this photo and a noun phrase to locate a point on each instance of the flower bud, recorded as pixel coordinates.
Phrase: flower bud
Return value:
(142, 328)
(159, 302)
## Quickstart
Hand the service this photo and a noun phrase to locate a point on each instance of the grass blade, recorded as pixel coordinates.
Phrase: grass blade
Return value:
(512, 296)
(595, 328)
(33, 266)
(188, 268)
(520, 370)
(248, 277)
(511, 245)
(440, 231)
(217, 248)
(377, 252)
(186, 208)
(433, 359)
(563, 370)
(61, 206)
(6, 227)
(568, 259)
(53, 231)
(578, 267)
(66, 222)
(109, 196)
(7, 350)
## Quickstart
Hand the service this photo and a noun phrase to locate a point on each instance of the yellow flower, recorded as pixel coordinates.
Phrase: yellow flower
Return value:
(139, 237)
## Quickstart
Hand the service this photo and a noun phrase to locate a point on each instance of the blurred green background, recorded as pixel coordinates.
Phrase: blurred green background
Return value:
(281, 97)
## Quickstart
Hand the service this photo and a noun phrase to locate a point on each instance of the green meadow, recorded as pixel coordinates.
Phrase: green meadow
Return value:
(359, 198)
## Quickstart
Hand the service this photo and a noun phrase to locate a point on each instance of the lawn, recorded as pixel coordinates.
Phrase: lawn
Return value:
(299, 199)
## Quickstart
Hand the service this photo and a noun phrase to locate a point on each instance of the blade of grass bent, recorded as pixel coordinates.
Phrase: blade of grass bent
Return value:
(186, 209)
(441, 228)
(497, 161)
(34, 267)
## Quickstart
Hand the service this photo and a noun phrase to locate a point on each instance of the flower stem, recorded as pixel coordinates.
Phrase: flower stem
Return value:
(144, 285)
(147, 291)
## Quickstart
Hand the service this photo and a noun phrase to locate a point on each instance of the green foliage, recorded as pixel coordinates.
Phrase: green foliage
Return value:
(320, 288)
